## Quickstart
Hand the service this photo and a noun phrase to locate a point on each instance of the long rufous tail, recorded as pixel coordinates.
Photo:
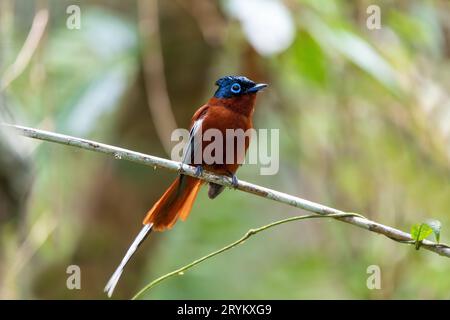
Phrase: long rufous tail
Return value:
(175, 203)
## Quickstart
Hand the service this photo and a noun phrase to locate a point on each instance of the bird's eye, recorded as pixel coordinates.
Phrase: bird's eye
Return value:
(236, 88)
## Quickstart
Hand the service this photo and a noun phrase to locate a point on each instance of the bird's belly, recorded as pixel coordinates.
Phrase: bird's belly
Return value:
(225, 155)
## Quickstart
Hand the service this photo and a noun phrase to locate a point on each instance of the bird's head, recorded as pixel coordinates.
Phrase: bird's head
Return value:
(235, 86)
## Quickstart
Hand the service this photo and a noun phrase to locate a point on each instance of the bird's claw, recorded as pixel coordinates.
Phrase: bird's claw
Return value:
(198, 171)
(234, 181)
(181, 169)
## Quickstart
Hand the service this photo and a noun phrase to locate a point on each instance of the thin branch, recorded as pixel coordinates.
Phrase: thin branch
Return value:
(155, 162)
(247, 235)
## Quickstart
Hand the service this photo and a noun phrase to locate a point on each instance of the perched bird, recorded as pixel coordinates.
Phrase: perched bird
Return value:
(231, 108)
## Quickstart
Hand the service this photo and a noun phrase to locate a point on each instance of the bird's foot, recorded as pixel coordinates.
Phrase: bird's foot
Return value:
(198, 171)
(234, 180)
(181, 169)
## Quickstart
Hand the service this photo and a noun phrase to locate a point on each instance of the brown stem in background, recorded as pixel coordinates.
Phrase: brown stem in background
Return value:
(29, 47)
(208, 18)
(154, 77)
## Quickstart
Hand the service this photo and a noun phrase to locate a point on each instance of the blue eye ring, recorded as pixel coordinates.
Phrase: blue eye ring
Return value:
(235, 87)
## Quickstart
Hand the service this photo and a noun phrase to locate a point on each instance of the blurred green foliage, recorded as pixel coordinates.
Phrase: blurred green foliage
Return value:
(364, 119)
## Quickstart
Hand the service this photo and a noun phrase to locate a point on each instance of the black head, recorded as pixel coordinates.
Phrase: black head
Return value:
(232, 86)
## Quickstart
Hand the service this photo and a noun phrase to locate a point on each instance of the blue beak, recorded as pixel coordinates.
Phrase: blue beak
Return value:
(257, 87)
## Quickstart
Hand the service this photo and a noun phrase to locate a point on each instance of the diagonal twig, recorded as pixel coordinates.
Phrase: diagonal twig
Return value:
(156, 162)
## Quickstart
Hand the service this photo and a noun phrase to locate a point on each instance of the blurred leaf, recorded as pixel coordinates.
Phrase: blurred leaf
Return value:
(338, 38)
(102, 37)
(419, 29)
(92, 84)
(325, 7)
(409, 28)
(309, 58)
(99, 98)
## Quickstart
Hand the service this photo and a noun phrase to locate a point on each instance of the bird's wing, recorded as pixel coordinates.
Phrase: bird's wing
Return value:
(200, 113)
(193, 148)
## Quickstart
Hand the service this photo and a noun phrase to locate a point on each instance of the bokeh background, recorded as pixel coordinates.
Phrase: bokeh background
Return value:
(364, 119)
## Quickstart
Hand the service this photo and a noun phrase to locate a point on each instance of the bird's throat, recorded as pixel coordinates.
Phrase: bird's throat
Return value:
(244, 104)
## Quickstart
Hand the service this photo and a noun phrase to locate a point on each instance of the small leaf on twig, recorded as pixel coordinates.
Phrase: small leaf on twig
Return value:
(419, 232)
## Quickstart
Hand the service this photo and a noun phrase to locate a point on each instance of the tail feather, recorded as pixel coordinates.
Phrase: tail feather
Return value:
(175, 203)
(189, 202)
(110, 286)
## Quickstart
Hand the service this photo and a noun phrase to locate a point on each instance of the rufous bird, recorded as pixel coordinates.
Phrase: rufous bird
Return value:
(231, 107)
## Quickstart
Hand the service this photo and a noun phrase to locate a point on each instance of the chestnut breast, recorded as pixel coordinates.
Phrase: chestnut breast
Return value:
(223, 118)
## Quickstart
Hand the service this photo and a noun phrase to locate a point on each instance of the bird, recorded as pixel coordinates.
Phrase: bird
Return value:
(230, 108)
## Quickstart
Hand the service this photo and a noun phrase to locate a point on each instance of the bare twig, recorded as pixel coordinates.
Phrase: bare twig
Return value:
(120, 153)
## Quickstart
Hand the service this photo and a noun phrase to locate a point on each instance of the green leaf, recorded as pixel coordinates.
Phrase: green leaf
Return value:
(307, 56)
(353, 47)
(435, 225)
(419, 232)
